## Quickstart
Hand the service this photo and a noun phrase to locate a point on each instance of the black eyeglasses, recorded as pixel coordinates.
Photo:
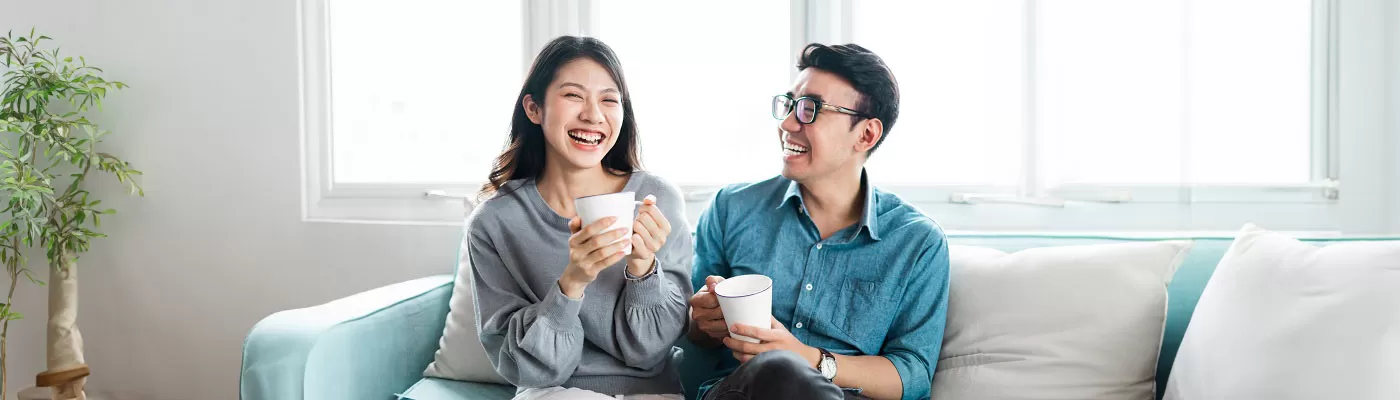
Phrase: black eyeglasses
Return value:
(807, 108)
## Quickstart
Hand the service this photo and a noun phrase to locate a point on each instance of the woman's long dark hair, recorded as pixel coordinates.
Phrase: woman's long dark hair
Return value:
(524, 156)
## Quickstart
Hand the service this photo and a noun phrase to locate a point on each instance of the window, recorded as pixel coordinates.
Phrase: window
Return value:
(1165, 108)
(1173, 91)
(417, 94)
(1097, 92)
(961, 85)
(698, 90)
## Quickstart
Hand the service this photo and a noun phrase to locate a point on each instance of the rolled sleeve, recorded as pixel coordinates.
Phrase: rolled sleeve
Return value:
(916, 336)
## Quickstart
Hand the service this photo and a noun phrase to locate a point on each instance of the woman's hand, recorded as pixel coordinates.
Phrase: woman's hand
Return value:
(590, 252)
(649, 232)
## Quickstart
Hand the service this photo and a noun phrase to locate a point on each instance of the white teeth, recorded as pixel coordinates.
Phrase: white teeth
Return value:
(790, 148)
(588, 138)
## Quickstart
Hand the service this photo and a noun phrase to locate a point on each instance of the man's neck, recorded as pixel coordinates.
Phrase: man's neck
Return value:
(559, 186)
(833, 202)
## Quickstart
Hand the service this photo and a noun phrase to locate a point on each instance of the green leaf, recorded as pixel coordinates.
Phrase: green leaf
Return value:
(30, 275)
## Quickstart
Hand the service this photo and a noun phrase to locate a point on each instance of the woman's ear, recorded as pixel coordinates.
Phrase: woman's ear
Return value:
(532, 110)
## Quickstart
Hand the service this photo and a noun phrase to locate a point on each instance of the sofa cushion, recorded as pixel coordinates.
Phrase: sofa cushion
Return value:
(1283, 319)
(1080, 322)
(460, 355)
(446, 389)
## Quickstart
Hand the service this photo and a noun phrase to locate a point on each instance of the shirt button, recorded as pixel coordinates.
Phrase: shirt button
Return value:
(819, 246)
(809, 286)
(798, 325)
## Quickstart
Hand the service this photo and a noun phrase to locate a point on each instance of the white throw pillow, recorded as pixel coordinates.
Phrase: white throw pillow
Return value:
(1072, 322)
(1283, 319)
(460, 355)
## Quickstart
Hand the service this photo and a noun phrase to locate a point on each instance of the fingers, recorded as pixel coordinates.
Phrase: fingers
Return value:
(591, 230)
(703, 314)
(777, 325)
(645, 244)
(641, 250)
(764, 335)
(709, 320)
(603, 239)
(658, 220)
(613, 259)
(649, 221)
(715, 328)
(606, 255)
(575, 224)
(711, 281)
(704, 299)
(740, 346)
(661, 221)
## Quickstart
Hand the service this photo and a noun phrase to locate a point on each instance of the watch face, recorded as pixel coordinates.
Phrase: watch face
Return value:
(828, 368)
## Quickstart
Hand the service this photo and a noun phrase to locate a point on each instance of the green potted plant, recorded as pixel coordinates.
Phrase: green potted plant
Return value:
(48, 149)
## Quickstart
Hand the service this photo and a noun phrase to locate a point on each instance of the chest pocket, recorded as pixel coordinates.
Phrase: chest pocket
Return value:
(864, 311)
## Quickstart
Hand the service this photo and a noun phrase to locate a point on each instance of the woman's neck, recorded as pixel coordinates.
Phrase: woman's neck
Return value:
(560, 185)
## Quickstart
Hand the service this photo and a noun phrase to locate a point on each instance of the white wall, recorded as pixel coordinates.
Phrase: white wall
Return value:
(1393, 110)
(218, 242)
(1366, 185)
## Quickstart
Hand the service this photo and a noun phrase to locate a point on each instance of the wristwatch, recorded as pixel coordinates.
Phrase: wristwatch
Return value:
(827, 365)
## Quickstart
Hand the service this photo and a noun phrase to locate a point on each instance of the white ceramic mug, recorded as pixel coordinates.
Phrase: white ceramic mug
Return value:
(748, 300)
(622, 205)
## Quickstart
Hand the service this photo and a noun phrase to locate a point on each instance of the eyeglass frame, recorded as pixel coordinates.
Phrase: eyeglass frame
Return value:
(821, 105)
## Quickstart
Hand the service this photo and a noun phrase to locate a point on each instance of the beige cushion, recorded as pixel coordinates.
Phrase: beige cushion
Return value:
(1074, 322)
(460, 355)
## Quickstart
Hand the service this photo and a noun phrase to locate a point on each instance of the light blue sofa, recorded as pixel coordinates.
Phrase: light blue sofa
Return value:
(375, 345)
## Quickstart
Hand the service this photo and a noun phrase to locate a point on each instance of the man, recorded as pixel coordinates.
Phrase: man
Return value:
(860, 278)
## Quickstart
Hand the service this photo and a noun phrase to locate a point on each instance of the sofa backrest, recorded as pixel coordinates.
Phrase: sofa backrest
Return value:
(1183, 293)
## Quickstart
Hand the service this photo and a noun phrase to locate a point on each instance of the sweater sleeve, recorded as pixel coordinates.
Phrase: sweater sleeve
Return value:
(652, 313)
(530, 344)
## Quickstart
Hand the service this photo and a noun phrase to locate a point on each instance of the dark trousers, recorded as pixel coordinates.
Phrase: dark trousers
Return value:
(777, 375)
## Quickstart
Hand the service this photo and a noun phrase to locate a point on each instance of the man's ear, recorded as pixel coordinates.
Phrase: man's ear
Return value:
(532, 110)
(871, 130)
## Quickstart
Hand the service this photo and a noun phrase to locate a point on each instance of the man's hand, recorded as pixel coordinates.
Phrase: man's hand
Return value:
(775, 338)
(705, 314)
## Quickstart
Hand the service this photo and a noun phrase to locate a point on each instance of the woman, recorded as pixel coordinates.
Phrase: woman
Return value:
(562, 312)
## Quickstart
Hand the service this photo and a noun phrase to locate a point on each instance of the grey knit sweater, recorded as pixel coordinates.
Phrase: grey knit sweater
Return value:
(617, 339)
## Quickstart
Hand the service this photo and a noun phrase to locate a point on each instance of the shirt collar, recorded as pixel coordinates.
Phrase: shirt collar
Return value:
(868, 220)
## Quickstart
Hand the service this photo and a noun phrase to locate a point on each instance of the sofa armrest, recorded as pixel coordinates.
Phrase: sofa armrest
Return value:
(369, 345)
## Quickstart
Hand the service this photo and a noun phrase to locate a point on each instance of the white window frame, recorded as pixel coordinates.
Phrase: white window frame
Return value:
(1024, 207)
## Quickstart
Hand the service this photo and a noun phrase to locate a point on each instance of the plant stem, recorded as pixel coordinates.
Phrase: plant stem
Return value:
(5, 331)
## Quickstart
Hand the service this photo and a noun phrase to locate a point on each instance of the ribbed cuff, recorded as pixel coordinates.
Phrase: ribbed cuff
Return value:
(559, 309)
(649, 291)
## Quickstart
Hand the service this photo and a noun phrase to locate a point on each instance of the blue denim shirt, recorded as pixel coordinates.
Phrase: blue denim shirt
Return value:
(879, 287)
